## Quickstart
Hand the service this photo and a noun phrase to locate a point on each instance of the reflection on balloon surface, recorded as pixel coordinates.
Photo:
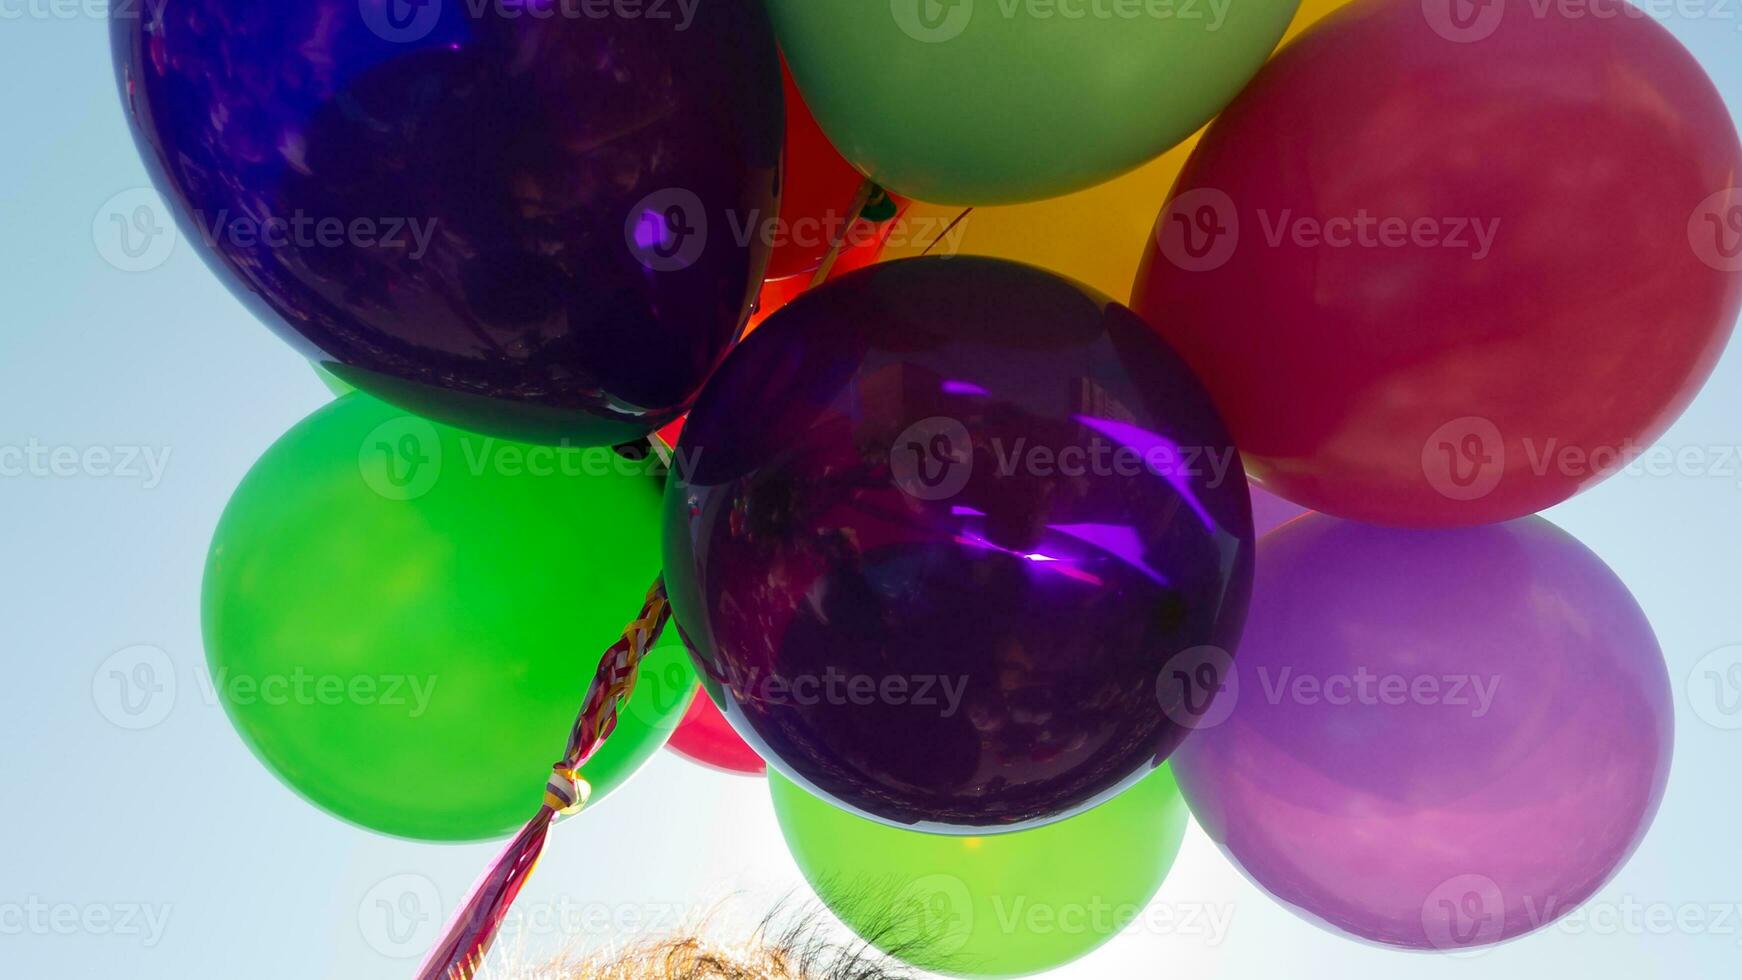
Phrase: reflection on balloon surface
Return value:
(935, 529)
(521, 225)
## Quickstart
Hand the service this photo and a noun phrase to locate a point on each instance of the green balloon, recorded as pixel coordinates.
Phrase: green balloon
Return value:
(402, 619)
(1004, 906)
(1003, 101)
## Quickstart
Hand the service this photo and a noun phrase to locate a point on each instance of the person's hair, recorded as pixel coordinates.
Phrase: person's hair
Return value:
(802, 950)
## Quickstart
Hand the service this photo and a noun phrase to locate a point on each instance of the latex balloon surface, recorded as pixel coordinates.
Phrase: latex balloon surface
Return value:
(518, 224)
(402, 619)
(1431, 739)
(935, 529)
(989, 103)
(706, 737)
(1464, 294)
(1004, 906)
(1095, 236)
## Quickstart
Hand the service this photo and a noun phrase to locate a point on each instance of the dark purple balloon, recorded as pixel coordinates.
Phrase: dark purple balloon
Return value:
(934, 531)
(517, 218)
(1433, 739)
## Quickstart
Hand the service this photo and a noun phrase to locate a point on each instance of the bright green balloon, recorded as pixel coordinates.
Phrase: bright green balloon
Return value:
(977, 102)
(1005, 906)
(402, 619)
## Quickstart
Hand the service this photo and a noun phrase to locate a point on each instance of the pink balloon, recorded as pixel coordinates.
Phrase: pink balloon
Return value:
(1441, 271)
(1430, 739)
(704, 736)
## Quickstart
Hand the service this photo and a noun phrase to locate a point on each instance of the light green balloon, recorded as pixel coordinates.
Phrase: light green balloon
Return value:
(402, 619)
(978, 102)
(1004, 906)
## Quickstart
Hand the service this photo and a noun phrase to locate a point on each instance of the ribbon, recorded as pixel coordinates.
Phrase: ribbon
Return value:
(468, 935)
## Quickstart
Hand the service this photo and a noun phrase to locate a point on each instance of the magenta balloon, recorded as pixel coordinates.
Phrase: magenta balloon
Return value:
(1432, 739)
(1443, 272)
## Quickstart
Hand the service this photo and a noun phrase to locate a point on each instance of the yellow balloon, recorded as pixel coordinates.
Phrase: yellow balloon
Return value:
(1096, 236)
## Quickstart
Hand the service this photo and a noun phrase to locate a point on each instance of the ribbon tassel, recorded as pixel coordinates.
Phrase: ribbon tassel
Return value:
(467, 938)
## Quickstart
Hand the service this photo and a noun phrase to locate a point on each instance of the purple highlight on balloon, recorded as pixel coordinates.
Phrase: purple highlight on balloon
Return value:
(964, 388)
(1118, 539)
(1152, 446)
(1432, 740)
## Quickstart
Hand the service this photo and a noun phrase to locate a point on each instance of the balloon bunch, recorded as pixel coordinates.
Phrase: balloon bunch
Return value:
(961, 550)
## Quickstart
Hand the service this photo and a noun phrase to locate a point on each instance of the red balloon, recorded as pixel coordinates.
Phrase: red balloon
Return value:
(820, 189)
(705, 737)
(1449, 271)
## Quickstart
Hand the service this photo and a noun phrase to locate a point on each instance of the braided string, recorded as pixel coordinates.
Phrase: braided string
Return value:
(468, 935)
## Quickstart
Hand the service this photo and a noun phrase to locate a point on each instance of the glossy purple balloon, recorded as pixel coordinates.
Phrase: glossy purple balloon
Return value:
(935, 529)
(516, 221)
(1433, 739)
